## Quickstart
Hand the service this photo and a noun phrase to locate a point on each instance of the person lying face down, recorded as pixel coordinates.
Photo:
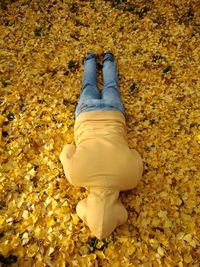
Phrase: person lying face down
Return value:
(100, 160)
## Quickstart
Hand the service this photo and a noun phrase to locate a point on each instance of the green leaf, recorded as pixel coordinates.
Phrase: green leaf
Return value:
(92, 243)
(5, 83)
(134, 87)
(9, 260)
(74, 8)
(10, 116)
(190, 13)
(167, 69)
(131, 7)
(38, 31)
(157, 57)
(72, 65)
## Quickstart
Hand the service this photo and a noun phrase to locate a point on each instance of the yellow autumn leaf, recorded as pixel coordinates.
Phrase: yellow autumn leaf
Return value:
(156, 46)
(32, 250)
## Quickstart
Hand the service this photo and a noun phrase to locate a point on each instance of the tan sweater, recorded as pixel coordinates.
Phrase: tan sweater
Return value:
(102, 162)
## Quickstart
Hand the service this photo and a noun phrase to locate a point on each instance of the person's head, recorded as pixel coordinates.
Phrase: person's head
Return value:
(102, 211)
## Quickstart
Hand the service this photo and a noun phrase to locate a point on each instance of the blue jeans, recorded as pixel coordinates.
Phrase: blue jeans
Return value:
(91, 99)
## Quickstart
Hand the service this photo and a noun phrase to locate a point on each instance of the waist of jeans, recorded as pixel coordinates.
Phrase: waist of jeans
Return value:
(101, 102)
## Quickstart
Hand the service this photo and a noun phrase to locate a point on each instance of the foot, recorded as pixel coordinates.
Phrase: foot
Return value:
(90, 54)
(108, 55)
(108, 52)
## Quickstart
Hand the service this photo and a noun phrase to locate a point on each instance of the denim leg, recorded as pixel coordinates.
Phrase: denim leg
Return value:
(90, 98)
(89, 81)
(110, 79)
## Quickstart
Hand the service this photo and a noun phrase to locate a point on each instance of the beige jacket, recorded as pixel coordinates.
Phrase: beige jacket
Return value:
(102, 162)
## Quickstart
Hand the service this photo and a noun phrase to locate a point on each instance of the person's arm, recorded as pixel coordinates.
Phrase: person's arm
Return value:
(139, 160)
(66, 157)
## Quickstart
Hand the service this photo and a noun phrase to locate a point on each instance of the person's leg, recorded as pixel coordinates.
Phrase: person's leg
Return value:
(110, 92)
(89, 92)
(89, 80)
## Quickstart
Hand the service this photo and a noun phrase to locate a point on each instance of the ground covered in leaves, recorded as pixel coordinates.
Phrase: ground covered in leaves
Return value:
(42, 46)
